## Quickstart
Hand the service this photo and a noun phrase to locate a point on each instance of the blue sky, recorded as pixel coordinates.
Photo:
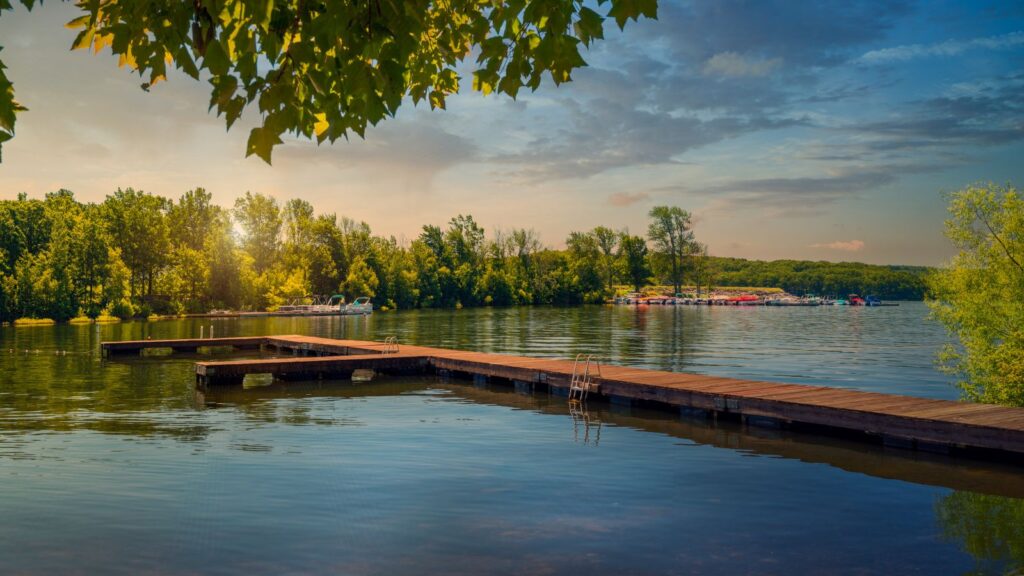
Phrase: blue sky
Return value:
(824, 130)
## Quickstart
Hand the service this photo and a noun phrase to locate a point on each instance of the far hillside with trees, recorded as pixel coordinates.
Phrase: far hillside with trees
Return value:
(823, 278)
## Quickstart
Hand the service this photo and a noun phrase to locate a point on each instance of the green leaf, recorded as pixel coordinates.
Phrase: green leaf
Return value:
(266, 12)
(83, 40)
(216, 58)
(337, 61)
(233, 110)
(4, 137)
(589, 26)
(261, 143)
(436, 99)
(186, 63)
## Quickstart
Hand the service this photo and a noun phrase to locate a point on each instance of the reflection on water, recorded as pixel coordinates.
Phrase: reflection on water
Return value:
(989, 528)
(586, 428)
(120, 467)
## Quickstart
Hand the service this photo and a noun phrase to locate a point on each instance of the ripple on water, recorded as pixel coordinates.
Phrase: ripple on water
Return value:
(118, 467)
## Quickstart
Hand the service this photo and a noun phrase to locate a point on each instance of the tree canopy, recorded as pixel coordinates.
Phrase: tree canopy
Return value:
(670, 231)
(979, 297)
(324, 69)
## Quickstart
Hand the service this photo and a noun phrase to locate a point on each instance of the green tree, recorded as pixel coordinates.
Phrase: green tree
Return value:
(92, 256)
(584, 258)
(670, 232)
(979, 297)
(361, 280)
(703, 269)
(428, 274)
(192, 217)
(137, 222)
(465, 248)
(607, 241)
(229, 277)
(260, 218)
(326, 255)
(186, 279)
(323, 69)
(633, 254)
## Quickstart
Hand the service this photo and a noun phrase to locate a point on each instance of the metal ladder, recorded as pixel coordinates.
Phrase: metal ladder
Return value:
(390, 345)
(582, 380)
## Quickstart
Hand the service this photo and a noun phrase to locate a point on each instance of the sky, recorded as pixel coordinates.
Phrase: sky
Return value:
(807, 130)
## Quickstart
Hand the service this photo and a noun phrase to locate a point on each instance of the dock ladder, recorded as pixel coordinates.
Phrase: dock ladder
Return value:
(582, 378)
(390, 345)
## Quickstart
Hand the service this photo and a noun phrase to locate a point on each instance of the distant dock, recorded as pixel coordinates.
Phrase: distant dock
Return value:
(903, 421)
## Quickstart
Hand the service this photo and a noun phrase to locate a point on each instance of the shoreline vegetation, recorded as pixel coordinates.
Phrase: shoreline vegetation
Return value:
(138, 255)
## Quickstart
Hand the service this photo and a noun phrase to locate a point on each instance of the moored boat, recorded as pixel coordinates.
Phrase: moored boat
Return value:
(361, 305)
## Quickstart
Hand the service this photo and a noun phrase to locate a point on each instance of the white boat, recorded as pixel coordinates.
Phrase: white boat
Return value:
(361, 305)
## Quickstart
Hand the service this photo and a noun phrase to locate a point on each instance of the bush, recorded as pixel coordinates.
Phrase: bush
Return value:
(34, 322)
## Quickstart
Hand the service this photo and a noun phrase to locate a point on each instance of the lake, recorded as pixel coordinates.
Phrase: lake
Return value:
(118, 466)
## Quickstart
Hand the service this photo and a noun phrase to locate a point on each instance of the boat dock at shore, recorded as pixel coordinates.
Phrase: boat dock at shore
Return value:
(902, 421)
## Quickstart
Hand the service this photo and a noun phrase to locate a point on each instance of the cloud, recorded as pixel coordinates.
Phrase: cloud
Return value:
(803, 33)
(947, 48)
(796, 197)
(627, 198)
(703, 74)
(839, 182)
(414, 149)
(642, 114)
(988, 113)
(732, 64)
(844, 245)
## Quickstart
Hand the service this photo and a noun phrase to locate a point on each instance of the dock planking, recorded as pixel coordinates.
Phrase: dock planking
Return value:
(893, 419)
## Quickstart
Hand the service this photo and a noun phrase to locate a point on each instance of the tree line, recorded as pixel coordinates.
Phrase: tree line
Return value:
(137, 253)
(824, 278)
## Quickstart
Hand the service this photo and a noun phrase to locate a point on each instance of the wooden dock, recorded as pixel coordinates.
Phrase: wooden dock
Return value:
(903, 421)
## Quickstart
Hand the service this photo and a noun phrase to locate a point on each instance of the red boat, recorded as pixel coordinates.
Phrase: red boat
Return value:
(744, 300)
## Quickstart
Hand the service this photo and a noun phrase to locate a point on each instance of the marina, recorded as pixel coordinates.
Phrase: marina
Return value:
(893, 420)
(730, 299)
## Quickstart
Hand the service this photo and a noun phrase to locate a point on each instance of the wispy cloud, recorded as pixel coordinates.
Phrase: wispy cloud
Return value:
(735, 65)
(627, 198)
(796, 197)
(947, 48)
(844, 245)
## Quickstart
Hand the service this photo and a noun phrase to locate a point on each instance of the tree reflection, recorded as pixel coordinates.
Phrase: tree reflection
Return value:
(989, 528)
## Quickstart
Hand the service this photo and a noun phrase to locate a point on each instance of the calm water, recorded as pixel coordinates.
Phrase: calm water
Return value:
(118, 467)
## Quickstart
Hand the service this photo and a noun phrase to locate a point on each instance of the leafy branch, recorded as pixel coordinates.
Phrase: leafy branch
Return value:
(321, 70)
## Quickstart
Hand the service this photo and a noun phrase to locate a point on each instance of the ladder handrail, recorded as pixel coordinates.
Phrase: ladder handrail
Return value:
(390, 345)
(583, 382)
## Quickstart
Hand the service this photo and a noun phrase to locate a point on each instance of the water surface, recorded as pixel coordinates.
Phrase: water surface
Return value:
(118, 467)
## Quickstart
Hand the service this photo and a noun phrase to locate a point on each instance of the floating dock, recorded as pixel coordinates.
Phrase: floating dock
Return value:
(903, 421)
